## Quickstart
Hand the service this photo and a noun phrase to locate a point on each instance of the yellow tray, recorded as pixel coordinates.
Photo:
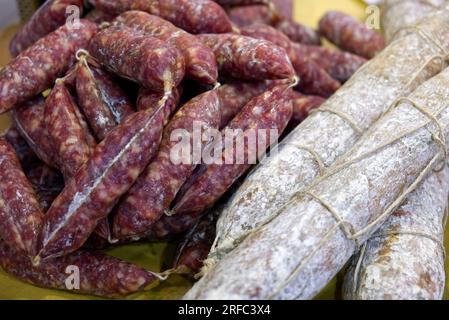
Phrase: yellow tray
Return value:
(151, 255)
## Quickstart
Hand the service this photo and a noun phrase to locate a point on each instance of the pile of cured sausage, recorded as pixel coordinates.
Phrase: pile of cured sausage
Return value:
(88, 162)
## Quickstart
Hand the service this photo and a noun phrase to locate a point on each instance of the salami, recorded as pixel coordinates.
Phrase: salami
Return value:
(66, 133)
(324, 136)
(248, 58)
(148, 99)
(313, 78)
(338, 64)
(100, 274)
(302, 106)
(26, 155)
(351, 35)
(271, 110)
(298, 32)
(143, 59)
(20, 214)
(92, 102)
(400, 15)
(194, 16)
(199, 59)
(36, 68)
(195, 245)
(29, 120)
(47, 183)
(404, 259)
(50, 16)
(97, 186)
(337, 213)
(158, 185)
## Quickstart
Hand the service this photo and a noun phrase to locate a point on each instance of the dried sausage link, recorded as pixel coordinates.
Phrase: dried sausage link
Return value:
(248, 58)
(29, 120)
(21, 217)
(351, 35)
(50, 16)
(65, 131)
(158, 185)
(36, 68)
(90, 98)
(92, 193)
(194, 16)
(149, 61)
(199, 59)
(100, 274)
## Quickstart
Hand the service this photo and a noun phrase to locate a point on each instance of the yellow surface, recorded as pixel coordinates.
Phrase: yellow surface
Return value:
(152, 256)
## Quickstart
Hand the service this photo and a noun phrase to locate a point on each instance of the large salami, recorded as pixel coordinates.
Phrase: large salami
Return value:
(404, 259)
(324, 136)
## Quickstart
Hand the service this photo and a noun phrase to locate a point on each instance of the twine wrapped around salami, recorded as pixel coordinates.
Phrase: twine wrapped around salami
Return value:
(399, 15)
(404, 259)
(328, 134)
(328, 221)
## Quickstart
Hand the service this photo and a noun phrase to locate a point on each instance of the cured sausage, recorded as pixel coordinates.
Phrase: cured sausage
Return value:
(26, 155)
(351, 35)
(148, 99)
(36, 68)
(99, 274)
(158, 185)
(194, 16)
(92, 102)
(29, 121)
(143, 59)
(271, 110)
(313, 78)
(338, 64)
(248, 58)
(47, 183)
(66, 133)
(92, 193)
(20, 214)
(196, 244)
(50, 16)
(199, 59)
